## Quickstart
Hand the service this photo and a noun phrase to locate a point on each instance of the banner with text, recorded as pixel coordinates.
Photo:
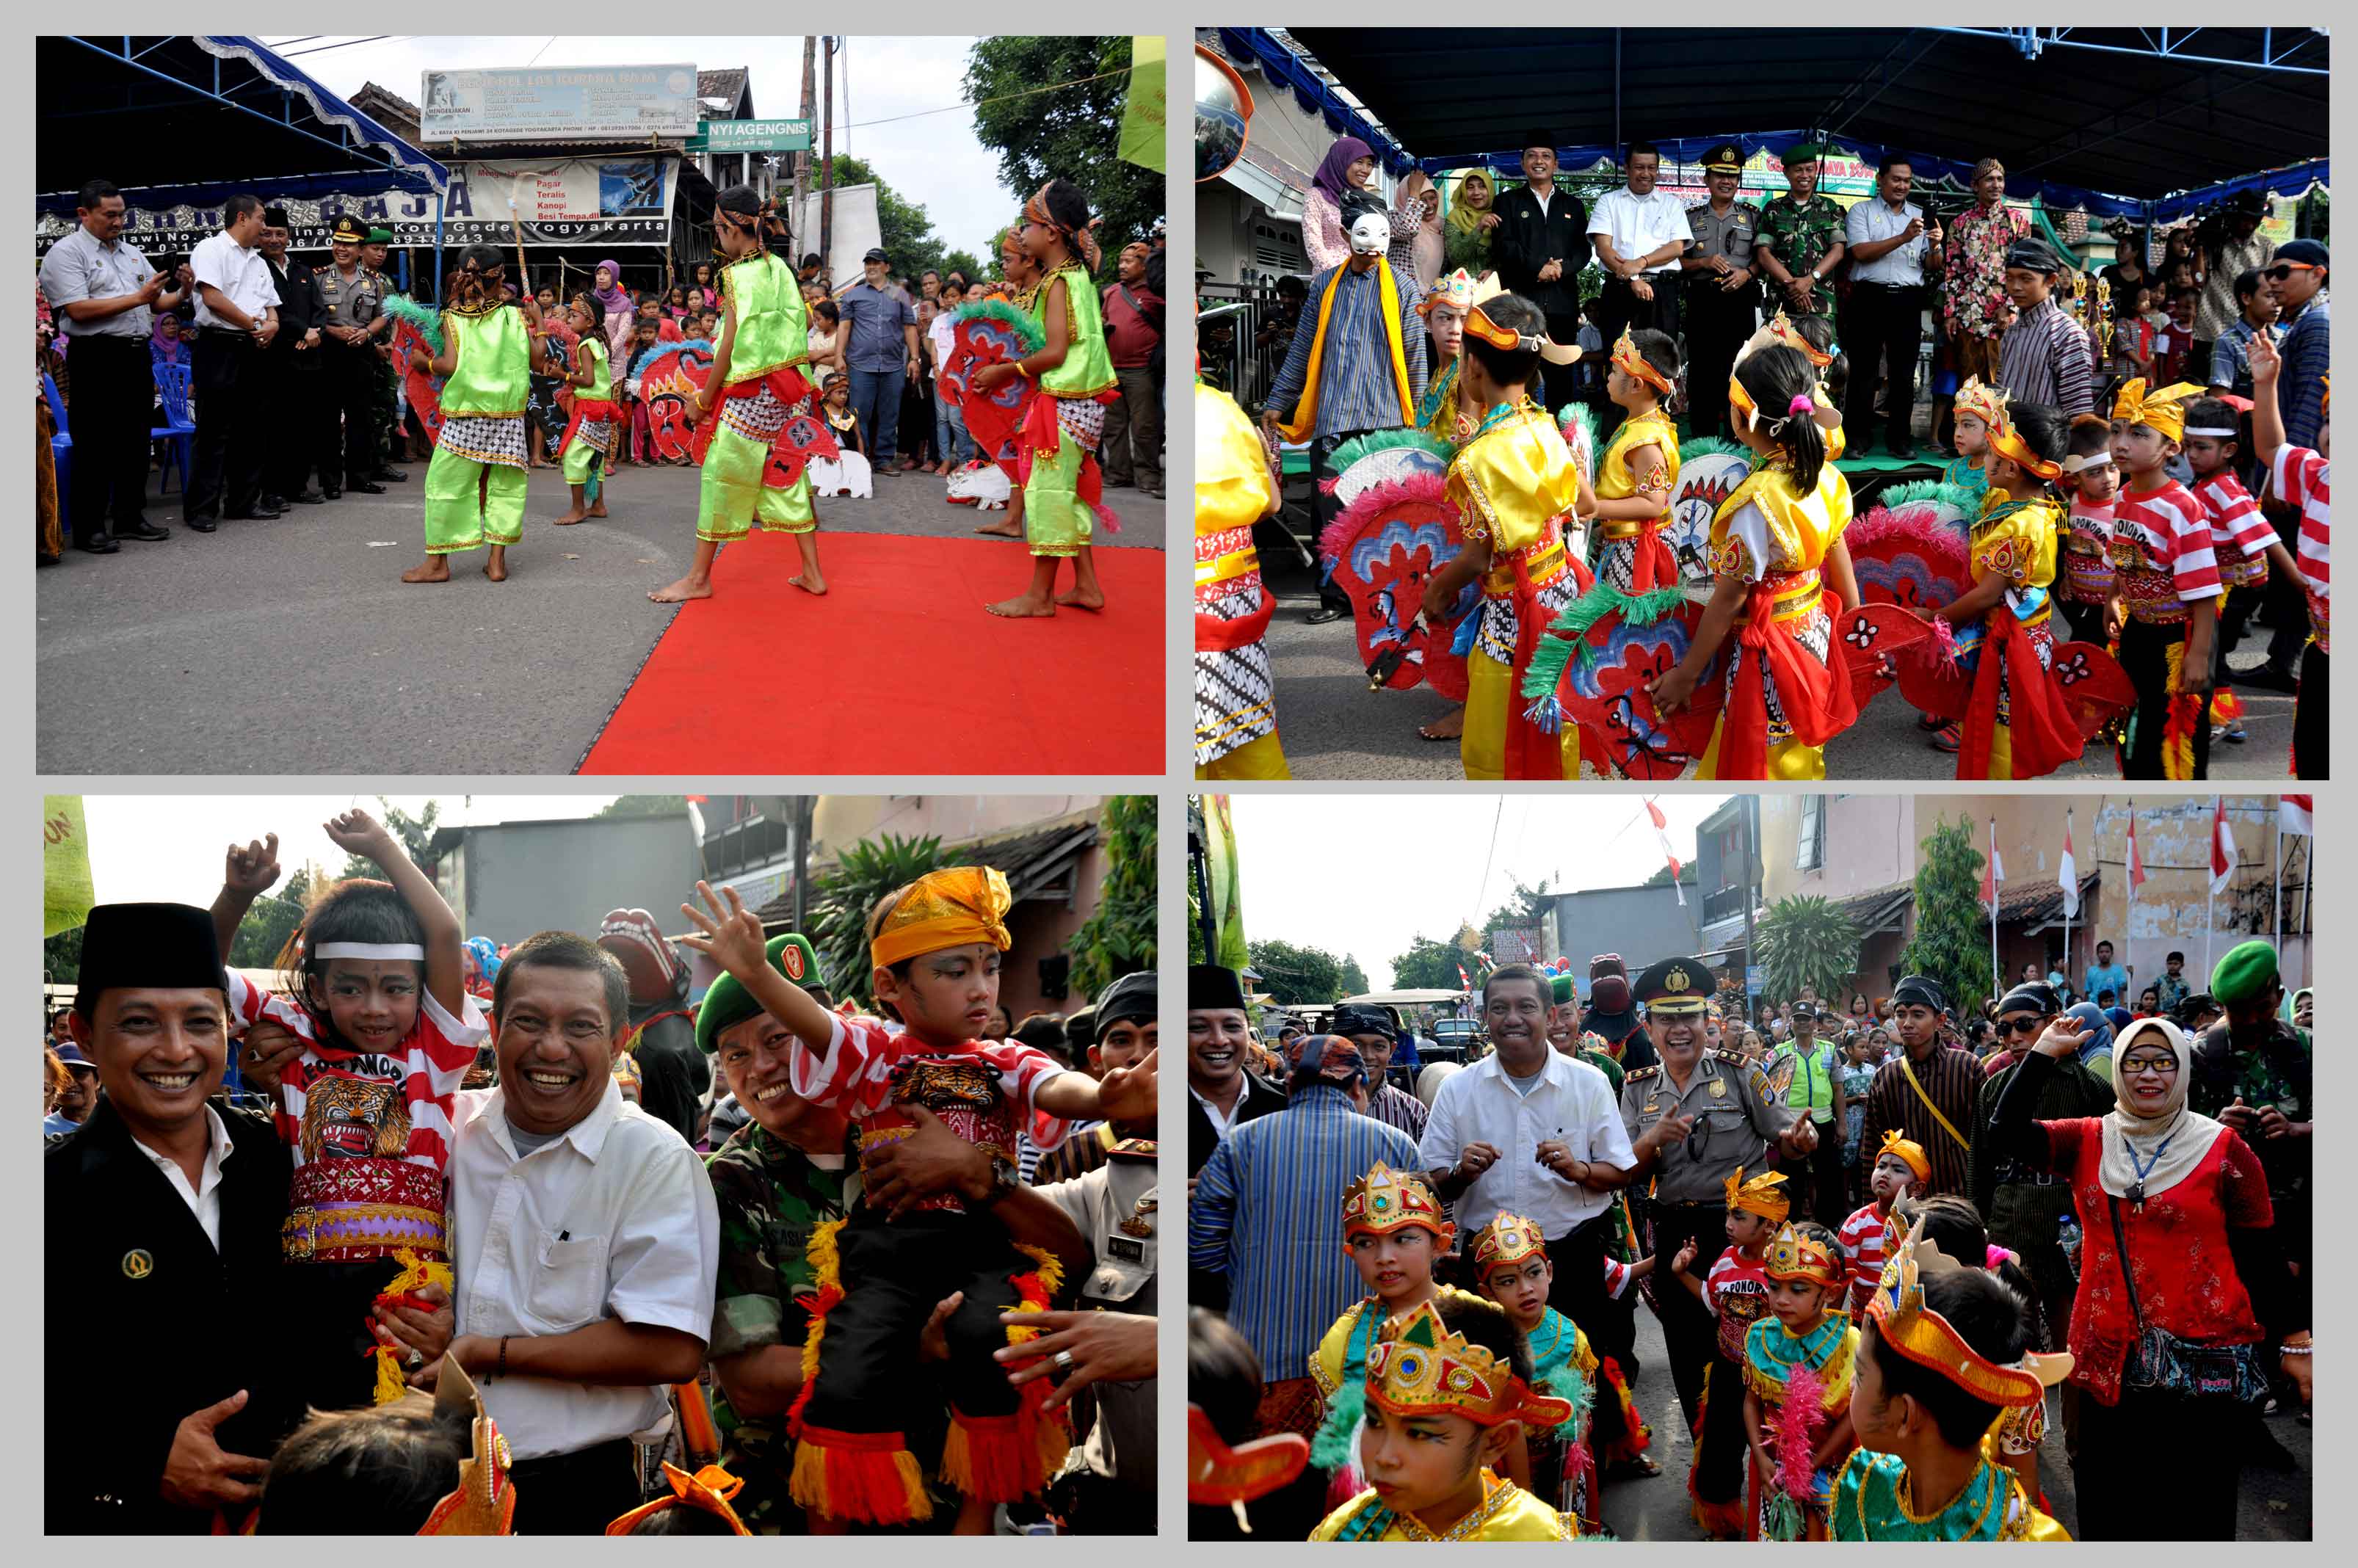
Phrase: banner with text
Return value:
(541, 105)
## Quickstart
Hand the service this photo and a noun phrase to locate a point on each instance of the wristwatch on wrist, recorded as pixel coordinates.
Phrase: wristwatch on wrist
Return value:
(1004, 1179)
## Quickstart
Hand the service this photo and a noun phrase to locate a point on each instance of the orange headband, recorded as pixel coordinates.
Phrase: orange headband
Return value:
(710, 1489)
(1507, 340)
(2007, 443)
(1630, 362)
(1036, 209)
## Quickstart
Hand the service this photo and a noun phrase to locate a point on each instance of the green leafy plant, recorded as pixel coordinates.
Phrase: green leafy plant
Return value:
(1119, 937)
(1074, 130)
(864, 873)
(1310, 977)
(1806, 941)
(1952, 941)
(1429, 964)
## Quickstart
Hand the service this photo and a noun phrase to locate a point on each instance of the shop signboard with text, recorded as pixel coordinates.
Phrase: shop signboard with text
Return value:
(538, 105)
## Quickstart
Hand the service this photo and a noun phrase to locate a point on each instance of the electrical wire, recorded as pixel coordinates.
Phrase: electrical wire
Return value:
(1492, 854)
(379, 38)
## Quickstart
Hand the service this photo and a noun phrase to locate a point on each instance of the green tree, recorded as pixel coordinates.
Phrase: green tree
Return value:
(1688, 875)
(1071, 132)
(415, 833)
(1527, 907)
(864, 873)
(1952, 941)
(1354, 979)
(1118, 937)
(262, 935)
(1429, 964)
(645, 805)
(963, 263)
(908, 235)
(62, 958)
(1806, 941)
(1298, 977)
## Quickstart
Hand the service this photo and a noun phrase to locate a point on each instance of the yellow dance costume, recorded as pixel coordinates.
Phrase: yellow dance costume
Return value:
(1787, 694)
(1626, 539)
(1512, 483)
(1236, 697)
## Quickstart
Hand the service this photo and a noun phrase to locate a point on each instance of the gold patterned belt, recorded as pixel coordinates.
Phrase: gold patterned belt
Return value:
(1618, 527)
(355, 1232)
(1796, 596)
(1546, 563)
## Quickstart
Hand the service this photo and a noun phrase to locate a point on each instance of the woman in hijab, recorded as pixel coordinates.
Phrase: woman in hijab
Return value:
(621, 311)
(2182, 1283)
(1346, 178)
(1421, 201)
(1467, 236)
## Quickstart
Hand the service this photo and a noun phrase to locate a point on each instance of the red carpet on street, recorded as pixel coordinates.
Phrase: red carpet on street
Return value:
(898, 670)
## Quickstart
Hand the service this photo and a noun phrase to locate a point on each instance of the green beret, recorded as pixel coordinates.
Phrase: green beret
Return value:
(2243, 973)
(1804, 152)
(729, 1003)
(379, 237)
(1561, 988)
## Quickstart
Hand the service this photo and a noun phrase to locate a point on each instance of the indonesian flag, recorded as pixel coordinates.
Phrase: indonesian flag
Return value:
(1465, 980)
(1993, 873)
(2294, 814)
(1661, 831)
(2068, 873)
(2137, 861)
(2222, 846)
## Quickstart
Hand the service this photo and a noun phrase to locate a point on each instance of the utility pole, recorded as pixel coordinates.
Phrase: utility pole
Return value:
(1743, 809)
(810, 92)
(826, 170)
(802, 861)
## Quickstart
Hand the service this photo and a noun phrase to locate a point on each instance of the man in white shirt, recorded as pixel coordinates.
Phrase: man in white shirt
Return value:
(237, 315)
(1640, 233)
(1527, 1132)
(1891, 250)
(585, 1239)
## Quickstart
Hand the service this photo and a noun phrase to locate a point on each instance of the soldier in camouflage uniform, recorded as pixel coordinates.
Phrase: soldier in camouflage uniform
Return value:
(387, 405)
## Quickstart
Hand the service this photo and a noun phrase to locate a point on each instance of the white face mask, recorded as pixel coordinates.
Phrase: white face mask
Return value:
(1370, 234)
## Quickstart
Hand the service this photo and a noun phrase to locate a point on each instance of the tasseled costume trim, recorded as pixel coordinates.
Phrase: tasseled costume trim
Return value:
(1374, 441)
(1569, 1386)
(1006, 1458)
(1567, 639)
(1710, 446)
(425, 318)
(1027, 332)
(1719, 1522)
(416, 1273)
(826, 1267)
(1795, 1485)
(870, 1476)
(1944, 650)
(1935, 492)
(1635, 1436)
(1331, 1449)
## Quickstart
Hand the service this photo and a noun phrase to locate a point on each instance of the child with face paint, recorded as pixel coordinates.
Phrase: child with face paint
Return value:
(1978, 407)
(1899, 1168)
(2092, 480)
(1806, 1348)
(1735, 1293)
(1448, 1394)
(364, 1052)
(1510, 1262)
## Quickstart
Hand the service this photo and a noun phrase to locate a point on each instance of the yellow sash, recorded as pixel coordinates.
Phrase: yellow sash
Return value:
(1305, 412)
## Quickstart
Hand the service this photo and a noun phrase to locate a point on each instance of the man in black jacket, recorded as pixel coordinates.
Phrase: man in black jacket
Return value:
(162, 1217)
(290, 371)
(1539, 247)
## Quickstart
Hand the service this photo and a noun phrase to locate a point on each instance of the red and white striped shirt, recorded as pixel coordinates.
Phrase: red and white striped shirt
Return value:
(1616, 1279)
(2303, 479)
(1737, 1291)
(2161, 550)
(2238, 533)
(332, 1087)
(985, 1091)
(1862, 1236)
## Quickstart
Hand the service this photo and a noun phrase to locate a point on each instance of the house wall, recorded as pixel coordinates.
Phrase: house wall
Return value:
(512, 880)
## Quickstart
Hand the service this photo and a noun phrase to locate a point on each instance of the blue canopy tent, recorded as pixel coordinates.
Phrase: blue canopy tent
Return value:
(2140, 123)
(189, 120)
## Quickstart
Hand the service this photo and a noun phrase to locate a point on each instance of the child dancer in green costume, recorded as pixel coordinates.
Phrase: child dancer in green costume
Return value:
(755, 386)
(1022, 276)
(1075, 372)
(595, 434)
(474, 486)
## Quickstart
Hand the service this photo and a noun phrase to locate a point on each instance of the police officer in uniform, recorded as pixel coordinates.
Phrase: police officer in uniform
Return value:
(352, 303)
(161, 1228)
(1723, 296)
(1108, 1487)
(387, 404)
(1693, 1120)
(290, 368)
(1809, 1071)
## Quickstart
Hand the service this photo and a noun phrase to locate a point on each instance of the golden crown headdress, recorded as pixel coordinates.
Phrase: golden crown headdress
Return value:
(1630, 362)
(1419, 1368)
(1796, 1255)
(1387, 1200)
(1924, 1336)
(1759, 1196)
(1508, 1239)
(1982, 401)
(483, 1502)
(1780, 328)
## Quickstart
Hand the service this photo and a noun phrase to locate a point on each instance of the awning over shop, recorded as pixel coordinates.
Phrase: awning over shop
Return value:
(2112, 119)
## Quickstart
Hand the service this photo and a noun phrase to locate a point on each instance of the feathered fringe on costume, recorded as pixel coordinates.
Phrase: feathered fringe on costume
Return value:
(1719, 1522)
(871, 1477)
(416, 1273)
(1636, 1436)
(1006, 1458)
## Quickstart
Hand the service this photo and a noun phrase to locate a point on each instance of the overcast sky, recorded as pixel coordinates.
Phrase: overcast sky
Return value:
(932, 159)
(168, 849)
(1361, 875)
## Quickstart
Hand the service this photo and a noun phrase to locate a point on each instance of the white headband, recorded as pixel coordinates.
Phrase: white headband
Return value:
(369, 950)
(2078, 462)
(2212, 430)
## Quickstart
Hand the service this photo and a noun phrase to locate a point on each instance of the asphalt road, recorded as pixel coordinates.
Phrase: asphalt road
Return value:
(1333, 726)
(292, 647)
(2275, 1504)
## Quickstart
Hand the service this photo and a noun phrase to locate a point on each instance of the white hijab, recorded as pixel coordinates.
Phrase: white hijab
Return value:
(2188, 1134)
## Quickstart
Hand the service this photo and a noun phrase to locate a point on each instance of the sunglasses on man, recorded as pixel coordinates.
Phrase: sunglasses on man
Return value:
(2283, 271)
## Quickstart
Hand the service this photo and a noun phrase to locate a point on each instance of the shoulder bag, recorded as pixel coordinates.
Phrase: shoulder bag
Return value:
(2160, 1361)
